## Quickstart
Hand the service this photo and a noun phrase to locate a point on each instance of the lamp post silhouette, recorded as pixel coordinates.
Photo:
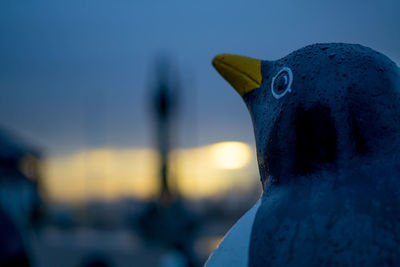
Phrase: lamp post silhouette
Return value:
(164, 105)
(166, 220)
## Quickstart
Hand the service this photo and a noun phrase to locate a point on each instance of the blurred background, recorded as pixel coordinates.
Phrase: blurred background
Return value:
(120, 145)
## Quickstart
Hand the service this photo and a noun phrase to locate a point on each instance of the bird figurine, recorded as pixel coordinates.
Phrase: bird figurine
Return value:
(327, 127)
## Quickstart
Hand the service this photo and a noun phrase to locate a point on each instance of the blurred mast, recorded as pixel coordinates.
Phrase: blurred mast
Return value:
(167, 220)
(164, 104)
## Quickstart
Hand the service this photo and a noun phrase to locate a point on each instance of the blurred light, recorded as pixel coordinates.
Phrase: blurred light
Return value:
(214, 170)
(29, 166)
(231, 155)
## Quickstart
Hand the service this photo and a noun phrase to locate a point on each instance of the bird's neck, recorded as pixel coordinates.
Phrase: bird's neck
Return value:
(374, 167)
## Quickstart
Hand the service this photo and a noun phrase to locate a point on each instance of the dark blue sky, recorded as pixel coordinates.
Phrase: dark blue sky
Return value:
(75, 74)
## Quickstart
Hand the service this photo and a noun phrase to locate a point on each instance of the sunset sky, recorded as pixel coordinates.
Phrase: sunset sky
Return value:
(75, 75)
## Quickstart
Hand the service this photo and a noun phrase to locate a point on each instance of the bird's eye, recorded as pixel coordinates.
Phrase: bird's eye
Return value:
(282, 82)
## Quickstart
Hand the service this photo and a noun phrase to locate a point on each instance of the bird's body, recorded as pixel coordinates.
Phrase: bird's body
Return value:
(327, 126)
(352, 219)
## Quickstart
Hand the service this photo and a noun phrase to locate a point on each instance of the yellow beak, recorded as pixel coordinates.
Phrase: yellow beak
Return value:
(243, 73)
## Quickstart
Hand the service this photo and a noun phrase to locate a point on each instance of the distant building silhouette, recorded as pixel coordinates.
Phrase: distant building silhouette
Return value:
(19, 198)
(19, 179)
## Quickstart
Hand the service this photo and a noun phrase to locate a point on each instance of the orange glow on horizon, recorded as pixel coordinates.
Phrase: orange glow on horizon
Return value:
(110, 174)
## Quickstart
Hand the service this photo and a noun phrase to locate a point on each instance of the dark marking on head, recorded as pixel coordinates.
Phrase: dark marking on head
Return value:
(316, 138)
